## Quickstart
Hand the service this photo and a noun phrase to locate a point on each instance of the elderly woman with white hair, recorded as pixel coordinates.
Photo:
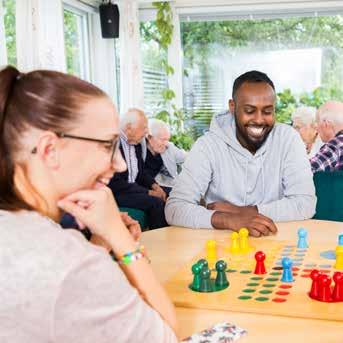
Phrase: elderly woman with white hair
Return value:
(304, 121)
(163, 158)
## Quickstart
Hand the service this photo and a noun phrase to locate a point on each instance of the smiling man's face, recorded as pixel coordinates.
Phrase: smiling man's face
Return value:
(254, 111)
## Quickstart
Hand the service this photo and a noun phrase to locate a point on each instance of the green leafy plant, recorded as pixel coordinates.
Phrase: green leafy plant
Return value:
(288, 102)
(285, 105)
(169, 113)
(164, 23)
(10, 30)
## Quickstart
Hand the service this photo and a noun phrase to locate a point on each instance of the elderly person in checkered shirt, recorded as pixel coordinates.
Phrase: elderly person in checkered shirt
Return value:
(330, 129)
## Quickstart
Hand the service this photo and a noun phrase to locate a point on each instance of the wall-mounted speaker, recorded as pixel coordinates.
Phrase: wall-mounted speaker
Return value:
(109, 19)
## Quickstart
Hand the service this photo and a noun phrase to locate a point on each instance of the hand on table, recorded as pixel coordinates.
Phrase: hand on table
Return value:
(229, 216)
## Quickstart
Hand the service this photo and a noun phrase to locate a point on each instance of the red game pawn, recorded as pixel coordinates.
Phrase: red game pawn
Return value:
(324, 293)
(314, 293)
(260, 268)
(337, 294)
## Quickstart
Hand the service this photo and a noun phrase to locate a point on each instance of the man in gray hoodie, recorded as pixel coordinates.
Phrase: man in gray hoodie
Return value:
(248, 170)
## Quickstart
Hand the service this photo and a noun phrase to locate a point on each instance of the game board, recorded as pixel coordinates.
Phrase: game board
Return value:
(261, 293)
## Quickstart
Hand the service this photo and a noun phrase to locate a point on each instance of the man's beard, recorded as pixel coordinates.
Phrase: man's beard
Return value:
(254, 144)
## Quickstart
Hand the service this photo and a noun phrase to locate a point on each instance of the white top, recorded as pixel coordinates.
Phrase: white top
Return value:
(318, 143)
(172, 158)
(57, 287)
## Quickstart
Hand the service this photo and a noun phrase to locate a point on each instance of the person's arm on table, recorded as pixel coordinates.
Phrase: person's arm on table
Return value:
(257, 224)
(183, 205)
(102, 217)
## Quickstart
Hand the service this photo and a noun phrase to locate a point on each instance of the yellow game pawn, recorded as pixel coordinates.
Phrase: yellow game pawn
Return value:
(211, 250)
(243, 240)
(234, 247)
(339, 257)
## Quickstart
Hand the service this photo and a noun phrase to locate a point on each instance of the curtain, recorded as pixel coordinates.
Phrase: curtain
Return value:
(3, 50)
(40, 35)
(131, 81)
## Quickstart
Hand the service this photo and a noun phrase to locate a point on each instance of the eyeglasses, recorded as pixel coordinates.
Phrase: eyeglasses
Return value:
(113, 143)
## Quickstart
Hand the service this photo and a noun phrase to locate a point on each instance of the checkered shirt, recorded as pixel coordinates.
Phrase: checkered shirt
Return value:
(330, 155)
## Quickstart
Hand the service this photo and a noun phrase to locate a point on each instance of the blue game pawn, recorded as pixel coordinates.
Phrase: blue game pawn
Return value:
(287, 273)
(340, 239)
(302, 239)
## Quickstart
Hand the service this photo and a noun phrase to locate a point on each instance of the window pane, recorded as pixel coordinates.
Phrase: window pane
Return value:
(302, 55)
(9, 21)
(76, 43)
(154, 76)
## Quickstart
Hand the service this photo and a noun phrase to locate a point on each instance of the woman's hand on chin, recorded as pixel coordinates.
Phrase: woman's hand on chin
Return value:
(97, 210)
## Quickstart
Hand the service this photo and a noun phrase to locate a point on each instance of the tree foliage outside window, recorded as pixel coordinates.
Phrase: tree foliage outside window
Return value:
(205, 42)
(72, 39)
(155, 77)
(10, 30)
(76, 37)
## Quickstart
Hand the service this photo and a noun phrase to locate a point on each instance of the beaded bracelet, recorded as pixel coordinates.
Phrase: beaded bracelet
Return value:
(132, 256)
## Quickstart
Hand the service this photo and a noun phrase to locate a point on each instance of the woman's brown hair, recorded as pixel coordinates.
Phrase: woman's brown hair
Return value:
(42, 99)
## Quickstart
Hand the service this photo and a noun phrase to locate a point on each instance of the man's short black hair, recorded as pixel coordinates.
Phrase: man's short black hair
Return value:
(251, 76)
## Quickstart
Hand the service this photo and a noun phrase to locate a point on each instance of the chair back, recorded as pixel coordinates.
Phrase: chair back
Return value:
(329, 191)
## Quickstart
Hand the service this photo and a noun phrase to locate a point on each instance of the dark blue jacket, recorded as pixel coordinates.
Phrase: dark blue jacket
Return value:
(119, 183)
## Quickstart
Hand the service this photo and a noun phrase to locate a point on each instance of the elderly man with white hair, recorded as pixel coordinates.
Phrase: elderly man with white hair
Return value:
(134, 188)
(330, 128)
(304, 121)
(163, 158)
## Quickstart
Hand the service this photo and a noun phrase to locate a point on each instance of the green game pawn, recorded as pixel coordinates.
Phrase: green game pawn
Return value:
(221, 279)
(196, 269)
(205, 283)
(203, 263)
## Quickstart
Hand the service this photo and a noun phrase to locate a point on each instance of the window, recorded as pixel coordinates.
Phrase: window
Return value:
(76, 36)
(10, 29)
(154, 76)
(302, 55)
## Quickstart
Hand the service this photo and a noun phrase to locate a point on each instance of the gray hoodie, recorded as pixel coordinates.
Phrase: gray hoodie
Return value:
(278, 178)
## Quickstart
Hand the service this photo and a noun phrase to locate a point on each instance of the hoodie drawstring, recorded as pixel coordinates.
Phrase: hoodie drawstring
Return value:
(245, 180)
(263, 185)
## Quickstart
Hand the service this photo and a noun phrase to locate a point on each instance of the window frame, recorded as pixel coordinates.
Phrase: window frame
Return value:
(85, 12)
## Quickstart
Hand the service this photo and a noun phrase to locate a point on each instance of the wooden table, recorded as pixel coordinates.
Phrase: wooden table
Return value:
(171, 247)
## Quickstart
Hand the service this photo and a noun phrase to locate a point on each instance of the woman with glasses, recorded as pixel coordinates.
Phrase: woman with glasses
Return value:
(58, 151)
